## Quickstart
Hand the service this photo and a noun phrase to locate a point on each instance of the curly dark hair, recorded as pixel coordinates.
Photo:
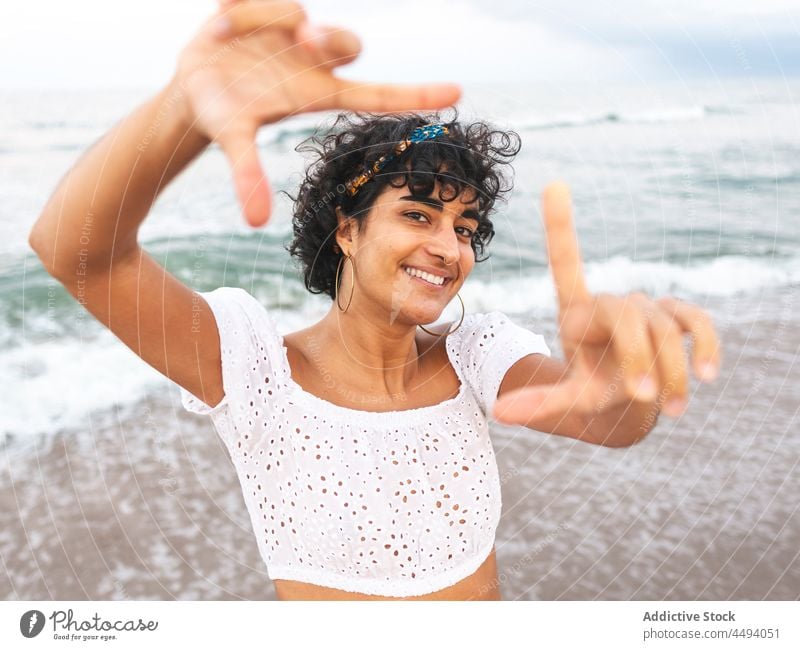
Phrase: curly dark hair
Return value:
(468, 157)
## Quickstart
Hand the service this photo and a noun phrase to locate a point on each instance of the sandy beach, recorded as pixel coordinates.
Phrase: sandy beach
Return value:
(145, 504)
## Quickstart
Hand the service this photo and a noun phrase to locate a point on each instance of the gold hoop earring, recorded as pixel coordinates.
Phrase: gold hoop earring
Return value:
(457, 326)
(352, 281)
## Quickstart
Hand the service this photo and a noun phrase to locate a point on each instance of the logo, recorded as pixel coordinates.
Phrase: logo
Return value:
(31, 623)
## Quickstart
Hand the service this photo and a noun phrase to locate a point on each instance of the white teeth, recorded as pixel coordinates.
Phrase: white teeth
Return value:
(433, 279)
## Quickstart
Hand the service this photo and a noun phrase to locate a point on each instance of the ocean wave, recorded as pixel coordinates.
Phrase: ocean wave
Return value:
(291, 131)
(721, 277)
(647, 116)
(745, 182)
(59, 382)
(724, 109)
(56, 384)
(295, 129)
(497, 286)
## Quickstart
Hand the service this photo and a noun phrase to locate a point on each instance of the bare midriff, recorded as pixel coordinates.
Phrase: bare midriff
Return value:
(481, 585)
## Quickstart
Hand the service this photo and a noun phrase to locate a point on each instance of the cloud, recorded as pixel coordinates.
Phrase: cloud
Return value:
(95, 43)
(680, 38)
(436, 40)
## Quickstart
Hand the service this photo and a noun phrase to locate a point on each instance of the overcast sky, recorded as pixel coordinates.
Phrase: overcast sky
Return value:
(108, 43)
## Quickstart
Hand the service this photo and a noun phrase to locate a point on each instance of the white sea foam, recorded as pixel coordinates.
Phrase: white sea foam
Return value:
(719, 277)
(57, 384)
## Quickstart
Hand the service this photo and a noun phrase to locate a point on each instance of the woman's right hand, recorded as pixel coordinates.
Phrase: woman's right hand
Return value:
(258, 61)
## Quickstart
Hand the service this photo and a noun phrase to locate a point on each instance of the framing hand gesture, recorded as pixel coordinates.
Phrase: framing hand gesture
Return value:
(255, 63)
(617, 349)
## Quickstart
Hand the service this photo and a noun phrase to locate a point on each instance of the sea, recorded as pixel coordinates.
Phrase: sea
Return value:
(686, 188)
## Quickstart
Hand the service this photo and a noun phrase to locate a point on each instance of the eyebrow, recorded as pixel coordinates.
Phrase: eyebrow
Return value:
(438, 205)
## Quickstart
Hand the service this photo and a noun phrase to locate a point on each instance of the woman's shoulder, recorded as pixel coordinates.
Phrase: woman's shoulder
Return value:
(479, 322)
(475, 327)
(237, 302)
(483, 331)
(236, 295)
(242, 320)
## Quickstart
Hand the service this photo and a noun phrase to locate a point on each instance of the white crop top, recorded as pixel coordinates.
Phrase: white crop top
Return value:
(392, 503)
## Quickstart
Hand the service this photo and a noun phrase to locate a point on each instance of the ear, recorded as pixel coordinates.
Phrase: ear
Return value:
(344, 231)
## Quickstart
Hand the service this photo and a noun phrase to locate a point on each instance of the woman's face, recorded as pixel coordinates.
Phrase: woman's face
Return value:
(401, 234)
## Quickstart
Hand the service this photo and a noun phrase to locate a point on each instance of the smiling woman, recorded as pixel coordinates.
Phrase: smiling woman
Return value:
(462, 166)
(403, 499)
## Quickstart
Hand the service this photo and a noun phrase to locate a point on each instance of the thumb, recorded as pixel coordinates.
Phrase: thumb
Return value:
(252, 187)
(519, 406)
(582, 323)
(331, 46)
(527, 406)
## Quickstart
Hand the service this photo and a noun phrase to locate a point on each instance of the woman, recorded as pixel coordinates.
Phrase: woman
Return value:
(360, 442)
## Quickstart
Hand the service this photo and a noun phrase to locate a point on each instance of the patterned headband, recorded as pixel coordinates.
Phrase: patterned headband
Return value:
(425, 132)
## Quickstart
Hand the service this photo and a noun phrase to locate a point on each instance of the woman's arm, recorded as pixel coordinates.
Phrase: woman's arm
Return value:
(257, 69)
(93, 216)
(86, 237)
(622, 425)
(625, 361)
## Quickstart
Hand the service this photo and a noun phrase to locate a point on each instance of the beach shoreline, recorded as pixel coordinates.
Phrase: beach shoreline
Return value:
(146, 504)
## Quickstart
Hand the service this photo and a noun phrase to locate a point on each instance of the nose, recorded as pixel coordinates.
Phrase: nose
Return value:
(444, 244)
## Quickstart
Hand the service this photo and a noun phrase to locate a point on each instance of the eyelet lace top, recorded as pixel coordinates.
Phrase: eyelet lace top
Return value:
(392, 503)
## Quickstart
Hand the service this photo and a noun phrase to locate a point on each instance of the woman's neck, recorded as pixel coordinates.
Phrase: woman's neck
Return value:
(378, 355)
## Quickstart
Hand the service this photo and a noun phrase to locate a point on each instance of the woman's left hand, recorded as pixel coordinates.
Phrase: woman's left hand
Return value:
(618, 349)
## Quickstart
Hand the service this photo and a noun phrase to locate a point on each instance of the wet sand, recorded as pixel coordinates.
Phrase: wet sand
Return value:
(144, 503)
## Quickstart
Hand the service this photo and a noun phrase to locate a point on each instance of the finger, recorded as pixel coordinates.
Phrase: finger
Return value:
(626, 321)
(562, 246)
(705, 342)
(545, 405)
(242, 18)
(252, 187)
(376, 97)
(330, 46)
(581, 325)
(667, 341)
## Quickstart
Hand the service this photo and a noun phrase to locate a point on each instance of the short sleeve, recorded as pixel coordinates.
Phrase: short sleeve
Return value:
(248, 346)
(488, 347)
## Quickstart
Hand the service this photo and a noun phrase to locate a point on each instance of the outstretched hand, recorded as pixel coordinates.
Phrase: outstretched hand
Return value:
(257, 62)
(618, 349)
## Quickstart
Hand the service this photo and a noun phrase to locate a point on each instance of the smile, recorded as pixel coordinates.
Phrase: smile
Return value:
(427, 278)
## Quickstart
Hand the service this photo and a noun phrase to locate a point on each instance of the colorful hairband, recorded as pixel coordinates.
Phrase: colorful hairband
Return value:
(425, 132)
